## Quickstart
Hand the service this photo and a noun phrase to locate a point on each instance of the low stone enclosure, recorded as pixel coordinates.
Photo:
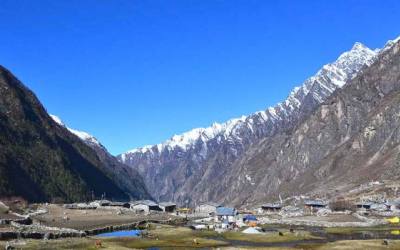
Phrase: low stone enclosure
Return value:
(42, 232)
(11, 235)
(22, 221)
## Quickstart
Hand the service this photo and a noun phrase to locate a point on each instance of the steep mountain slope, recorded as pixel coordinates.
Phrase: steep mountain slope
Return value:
(127, 178)
(351, 139)
(187, 167)
(41, 160)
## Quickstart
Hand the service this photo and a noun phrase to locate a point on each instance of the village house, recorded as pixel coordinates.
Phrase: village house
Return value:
(270, 208)
(225, 215)
(245, 211)
(183, 211)
(100, 203)
(207, 208)
(119, 204)
(144, 206)
(364, 205)
(168, 207)
(380, 206)
(376, 206)
(314, 205)
(81, 206)
(250, 220)
(393, 206)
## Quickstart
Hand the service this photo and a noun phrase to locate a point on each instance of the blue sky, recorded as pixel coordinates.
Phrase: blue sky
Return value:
(137, 72)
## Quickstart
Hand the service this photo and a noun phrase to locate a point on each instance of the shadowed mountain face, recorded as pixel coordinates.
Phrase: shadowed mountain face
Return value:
(250, 159)
(41, 160)
(127, 178)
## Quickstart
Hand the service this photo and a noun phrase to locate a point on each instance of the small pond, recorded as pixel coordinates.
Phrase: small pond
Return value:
(127, 233)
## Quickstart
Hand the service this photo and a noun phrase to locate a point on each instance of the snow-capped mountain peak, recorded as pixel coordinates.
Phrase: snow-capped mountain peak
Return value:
(187, 139)
(320, 86)
(81, 134)
(390, 43)
(204, 163)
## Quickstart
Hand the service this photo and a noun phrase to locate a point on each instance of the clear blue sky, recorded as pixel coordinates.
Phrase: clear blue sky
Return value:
(137, 72)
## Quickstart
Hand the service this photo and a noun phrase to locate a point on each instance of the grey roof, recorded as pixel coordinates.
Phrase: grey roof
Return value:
(102, 202)
(118, 203)
(211, 204)
(167, 204)
(272, 205)
(144, 202)
(315, 202)
(394, 202)
(226, 211)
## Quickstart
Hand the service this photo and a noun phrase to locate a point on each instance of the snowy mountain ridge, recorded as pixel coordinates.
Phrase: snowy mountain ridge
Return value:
(327, 80)
(186, 139)
(190, 167)
(84, 136)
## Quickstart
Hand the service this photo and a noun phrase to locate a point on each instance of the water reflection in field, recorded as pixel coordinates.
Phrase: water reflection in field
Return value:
(127, 233)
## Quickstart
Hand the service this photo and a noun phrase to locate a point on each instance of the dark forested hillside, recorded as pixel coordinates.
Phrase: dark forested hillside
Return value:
(41, 160)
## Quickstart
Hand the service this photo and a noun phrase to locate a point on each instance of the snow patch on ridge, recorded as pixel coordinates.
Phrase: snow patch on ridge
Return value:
(57, 120)
(81, 134)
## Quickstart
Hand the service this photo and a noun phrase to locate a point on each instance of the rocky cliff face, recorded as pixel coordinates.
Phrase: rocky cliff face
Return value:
(197, 165)
(41, 160)
(350, 139)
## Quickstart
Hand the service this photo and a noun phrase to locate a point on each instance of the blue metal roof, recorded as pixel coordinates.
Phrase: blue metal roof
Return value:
(250, 217)
(226, 211)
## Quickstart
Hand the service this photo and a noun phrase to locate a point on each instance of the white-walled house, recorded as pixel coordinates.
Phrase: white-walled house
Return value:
(145, 206)
(207, 208)
(100, 203)
(393, 206)
(225, 215)
(168, 207)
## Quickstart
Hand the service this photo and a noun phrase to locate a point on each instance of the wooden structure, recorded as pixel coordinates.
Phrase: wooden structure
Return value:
(314, 205)
(271, 207)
